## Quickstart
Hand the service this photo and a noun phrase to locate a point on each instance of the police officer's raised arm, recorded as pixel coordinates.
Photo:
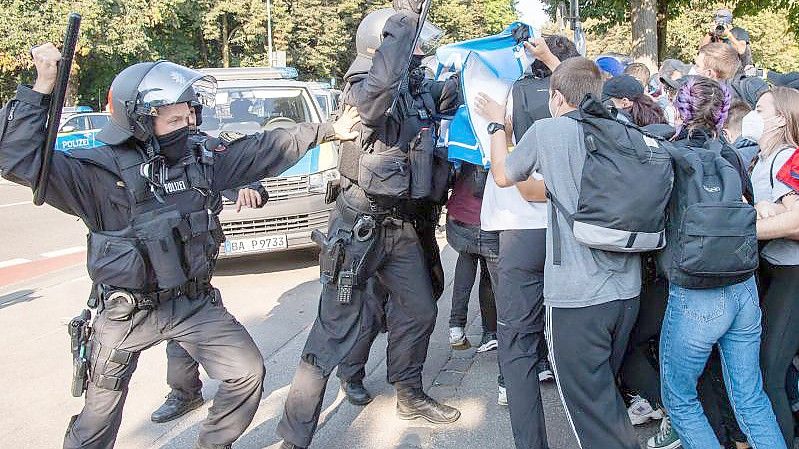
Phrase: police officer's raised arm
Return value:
(22, 136)
(250, 158)
(373, 97)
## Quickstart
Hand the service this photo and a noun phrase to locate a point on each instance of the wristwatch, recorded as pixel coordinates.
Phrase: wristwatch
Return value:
(494, 127)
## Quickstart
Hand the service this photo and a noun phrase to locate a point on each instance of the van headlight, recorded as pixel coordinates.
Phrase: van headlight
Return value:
(317, 182)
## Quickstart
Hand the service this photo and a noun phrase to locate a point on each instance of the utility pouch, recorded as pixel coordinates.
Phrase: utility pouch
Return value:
(332, 191)
(384, 175)
(199, 243)
(160, 232)
(441, 176)
(119, 305)
(421, 162)
(116, 260)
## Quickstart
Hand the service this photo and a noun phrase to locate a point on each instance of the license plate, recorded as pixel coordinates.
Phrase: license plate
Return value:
(255, 244)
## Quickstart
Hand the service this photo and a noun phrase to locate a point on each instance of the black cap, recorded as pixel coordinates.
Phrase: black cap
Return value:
(622, 86)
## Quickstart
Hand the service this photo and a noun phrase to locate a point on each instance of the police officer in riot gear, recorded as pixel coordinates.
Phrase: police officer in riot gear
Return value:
(146, 199)
(389, 179)
(183, 372)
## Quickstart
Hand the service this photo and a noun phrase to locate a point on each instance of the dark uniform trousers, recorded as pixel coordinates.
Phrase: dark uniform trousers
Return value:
(182, 372)
(209, 333)
(397, 262)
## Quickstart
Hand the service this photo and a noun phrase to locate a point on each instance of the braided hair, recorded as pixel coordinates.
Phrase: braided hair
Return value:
(703, 104)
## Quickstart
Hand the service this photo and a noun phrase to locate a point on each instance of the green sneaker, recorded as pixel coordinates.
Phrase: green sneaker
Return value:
(666, 438)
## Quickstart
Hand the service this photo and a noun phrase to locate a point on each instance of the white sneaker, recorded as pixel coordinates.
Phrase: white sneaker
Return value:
(457, 339)
(546, 376)
(502, 398)
(640, 411)
(488, 343)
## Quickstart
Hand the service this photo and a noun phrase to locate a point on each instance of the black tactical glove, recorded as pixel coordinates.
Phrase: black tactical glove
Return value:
(408, 5)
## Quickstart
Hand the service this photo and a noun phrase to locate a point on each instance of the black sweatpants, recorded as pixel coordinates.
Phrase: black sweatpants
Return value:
(586, 348)
(520, 331)
(779, 299)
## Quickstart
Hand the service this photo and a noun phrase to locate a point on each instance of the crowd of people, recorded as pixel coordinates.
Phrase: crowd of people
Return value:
(712, 357)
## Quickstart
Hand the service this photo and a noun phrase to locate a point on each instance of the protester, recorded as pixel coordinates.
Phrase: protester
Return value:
(778, 111)
(519, 214)
(717, 61)
(738, 131)
(475, 248)
(592, 295)
(701, 311)
(627, 96)
(640, 72)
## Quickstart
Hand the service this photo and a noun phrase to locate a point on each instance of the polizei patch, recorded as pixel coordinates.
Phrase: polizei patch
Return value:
(175, 186)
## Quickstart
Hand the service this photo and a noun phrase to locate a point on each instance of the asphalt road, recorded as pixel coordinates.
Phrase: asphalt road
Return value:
(275, 297)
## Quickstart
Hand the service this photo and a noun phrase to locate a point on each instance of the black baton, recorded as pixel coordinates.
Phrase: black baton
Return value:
(56, 104)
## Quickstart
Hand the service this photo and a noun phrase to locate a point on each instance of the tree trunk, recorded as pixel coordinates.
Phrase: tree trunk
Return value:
(645, 39)
(663, 22)
(225, 41)
(203, 47)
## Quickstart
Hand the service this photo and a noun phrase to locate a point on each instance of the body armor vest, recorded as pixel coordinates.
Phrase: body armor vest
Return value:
(174, 232)
(399, 162)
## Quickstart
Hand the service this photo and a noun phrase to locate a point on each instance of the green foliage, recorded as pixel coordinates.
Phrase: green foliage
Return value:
(317, 35)
(773, 43)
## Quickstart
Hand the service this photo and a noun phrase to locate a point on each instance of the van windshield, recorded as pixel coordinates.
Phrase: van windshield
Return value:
(251, 110)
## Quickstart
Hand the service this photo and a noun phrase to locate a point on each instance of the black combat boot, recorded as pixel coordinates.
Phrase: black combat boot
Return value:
(175, 406)
(356, 393)
(414, 403)
(287, 445)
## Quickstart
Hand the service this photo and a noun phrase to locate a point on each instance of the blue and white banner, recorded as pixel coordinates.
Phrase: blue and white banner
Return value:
(489, 65)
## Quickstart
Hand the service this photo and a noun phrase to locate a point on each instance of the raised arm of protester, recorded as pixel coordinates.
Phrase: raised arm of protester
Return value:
(540, 50)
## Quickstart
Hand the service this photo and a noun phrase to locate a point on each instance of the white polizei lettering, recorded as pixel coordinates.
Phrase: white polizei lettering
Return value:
(175, 186)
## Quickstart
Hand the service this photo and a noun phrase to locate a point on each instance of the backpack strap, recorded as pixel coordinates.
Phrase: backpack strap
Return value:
(771, 171)
(554, 206)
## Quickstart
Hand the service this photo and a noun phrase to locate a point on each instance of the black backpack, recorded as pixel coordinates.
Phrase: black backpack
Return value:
(711, 230)
(625, 187)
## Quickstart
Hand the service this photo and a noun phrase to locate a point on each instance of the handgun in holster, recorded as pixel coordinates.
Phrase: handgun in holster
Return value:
(331, 257)
(80, 334)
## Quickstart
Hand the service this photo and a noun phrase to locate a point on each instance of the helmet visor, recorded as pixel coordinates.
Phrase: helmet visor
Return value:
(430, 38)
(168, 83)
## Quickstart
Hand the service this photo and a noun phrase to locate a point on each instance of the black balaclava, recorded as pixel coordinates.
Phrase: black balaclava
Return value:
(174, 146)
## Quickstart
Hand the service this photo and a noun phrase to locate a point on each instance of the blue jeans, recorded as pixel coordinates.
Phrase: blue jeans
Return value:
(695, 321)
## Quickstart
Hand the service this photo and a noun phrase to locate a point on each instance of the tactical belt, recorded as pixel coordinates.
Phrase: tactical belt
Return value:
(193, 289)
(381, 214)
(151, 300)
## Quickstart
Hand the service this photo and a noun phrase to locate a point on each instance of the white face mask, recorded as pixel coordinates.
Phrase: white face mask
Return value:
(671, 114)
(752, 126)
(693, 71)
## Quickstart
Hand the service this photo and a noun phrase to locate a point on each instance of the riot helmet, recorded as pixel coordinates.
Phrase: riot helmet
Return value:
(139, 90)
(370, 35)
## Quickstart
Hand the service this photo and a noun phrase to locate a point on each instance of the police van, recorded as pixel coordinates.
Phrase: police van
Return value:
(78, 128)
(254, 99)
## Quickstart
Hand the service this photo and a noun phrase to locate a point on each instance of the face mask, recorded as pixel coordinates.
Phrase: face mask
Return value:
(693, 71)
(752, 126)
(175, 144)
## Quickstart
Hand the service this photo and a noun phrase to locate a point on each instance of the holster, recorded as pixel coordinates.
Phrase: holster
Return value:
(79, 334)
